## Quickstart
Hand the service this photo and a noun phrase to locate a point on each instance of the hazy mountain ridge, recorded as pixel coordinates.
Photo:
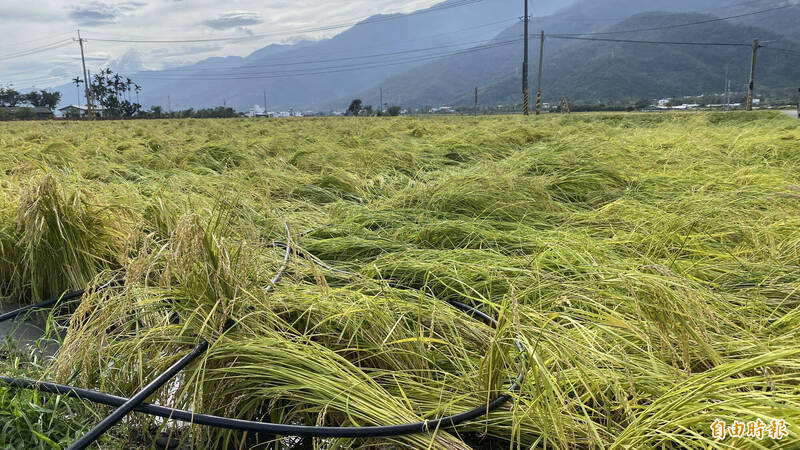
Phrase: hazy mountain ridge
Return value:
(601, 71)
(267, 70)
(587, 71)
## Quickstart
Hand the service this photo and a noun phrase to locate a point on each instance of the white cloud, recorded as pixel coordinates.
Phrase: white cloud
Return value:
(50, 21)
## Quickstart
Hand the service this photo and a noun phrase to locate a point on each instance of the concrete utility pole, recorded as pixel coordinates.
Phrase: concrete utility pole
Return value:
(751, 87)
(539, 89)
(476, 101)
(85, 77)
(266, 113)
(381, 101)
(525, 63)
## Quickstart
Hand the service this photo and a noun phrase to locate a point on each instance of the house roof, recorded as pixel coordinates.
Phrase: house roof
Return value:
(81, 107)
(37, 109)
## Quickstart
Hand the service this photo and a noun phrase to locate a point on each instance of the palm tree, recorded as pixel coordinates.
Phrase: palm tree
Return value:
(78, 82)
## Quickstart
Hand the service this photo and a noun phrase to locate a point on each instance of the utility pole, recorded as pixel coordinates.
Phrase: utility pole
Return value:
(476, 101)
(85, 77)
(539, 89)
(265, 104)
(169, 104)
(752, 85)
(381, 101)
(90, 106)
(798, 103)
(525, 63)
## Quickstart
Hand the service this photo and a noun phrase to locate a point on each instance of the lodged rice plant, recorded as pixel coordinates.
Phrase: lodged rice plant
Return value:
(61, 240)
(647, 265)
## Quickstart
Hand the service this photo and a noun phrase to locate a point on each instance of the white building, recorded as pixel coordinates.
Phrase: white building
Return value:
(257, 111)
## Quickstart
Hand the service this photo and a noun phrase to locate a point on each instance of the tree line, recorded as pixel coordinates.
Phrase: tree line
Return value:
(11, 97)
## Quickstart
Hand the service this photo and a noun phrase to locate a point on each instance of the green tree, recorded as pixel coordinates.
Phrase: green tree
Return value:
(110, 90)
(394, 111)
(355, 107)
(50, 100)
(10, 97)
(43, 98)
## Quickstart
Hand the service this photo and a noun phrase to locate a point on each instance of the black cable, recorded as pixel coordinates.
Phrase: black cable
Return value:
(682, 25)
(444, 423)
(783, 50)
(35, 51)
(125, 406)
(330, 69)
(239, 69)
(131, 404)
(634, 41)
(52, 301)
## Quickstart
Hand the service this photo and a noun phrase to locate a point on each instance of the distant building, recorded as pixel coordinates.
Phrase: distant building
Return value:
(76, 111)
(40, 112)
(258, 111)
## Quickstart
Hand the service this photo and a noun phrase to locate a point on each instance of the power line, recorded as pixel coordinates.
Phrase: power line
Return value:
(35, 80)
(783, 50)
(294, 63)
(450, 5)
(682, 25)
(620, 19)
(337, 69)
(633, 41)
(35, 50)
(39, 39)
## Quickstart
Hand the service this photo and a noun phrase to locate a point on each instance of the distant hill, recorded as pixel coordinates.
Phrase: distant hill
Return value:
(382, 52)
(601, 71)
(782, 21)
(277, 69)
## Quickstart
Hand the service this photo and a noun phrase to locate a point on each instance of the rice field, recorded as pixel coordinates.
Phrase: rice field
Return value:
(649, 266)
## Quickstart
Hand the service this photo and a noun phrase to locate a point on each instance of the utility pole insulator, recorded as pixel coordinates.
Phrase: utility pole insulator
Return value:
(752, 86)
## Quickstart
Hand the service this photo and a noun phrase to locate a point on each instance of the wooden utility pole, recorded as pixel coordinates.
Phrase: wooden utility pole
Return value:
(539, 89)
(85, 78)
(751, 87)
(525, 64)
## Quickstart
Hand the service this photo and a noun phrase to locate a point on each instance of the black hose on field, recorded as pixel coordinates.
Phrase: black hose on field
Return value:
(49, 303)
(136, 403)
(131, 404)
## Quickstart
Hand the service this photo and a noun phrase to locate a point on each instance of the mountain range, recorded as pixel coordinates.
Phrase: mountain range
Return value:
(439, 55)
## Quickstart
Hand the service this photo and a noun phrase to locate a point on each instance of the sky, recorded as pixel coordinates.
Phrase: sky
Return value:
(47, 28)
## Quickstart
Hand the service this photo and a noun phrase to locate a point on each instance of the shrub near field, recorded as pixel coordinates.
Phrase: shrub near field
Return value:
(649, 265)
